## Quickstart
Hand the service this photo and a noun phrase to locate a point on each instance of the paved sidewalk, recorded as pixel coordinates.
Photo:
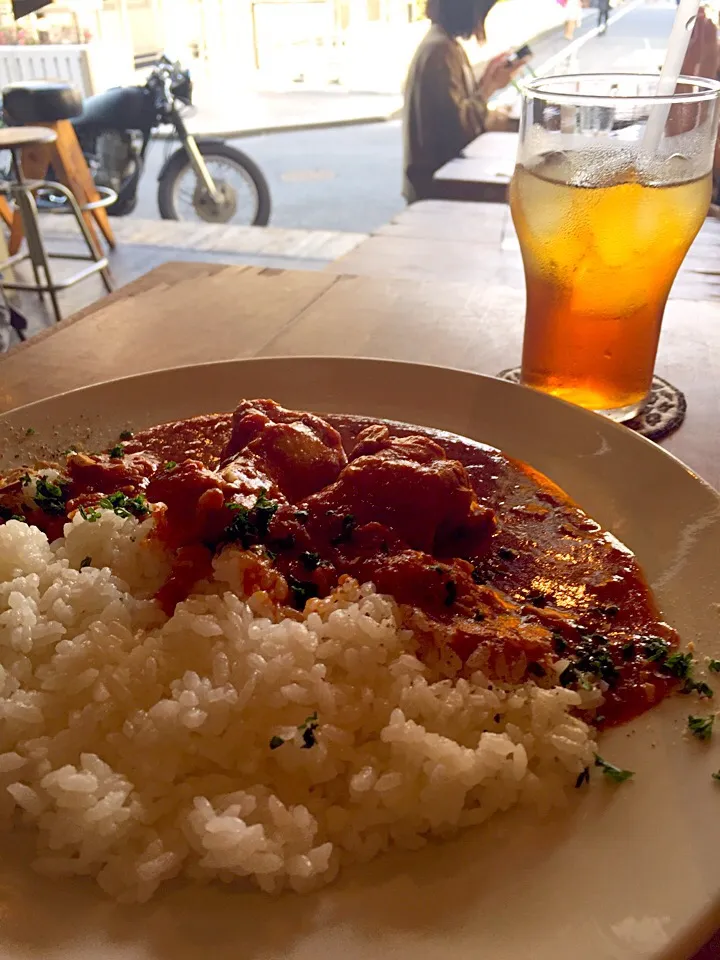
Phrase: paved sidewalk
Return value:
(247, 113)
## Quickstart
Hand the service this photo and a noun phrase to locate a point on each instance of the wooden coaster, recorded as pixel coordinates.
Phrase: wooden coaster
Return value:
(661, 416)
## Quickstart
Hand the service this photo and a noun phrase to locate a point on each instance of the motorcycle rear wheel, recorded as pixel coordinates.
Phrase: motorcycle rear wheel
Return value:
(178, 170)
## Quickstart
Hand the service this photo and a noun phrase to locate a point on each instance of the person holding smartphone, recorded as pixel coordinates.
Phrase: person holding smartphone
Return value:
(445, 105)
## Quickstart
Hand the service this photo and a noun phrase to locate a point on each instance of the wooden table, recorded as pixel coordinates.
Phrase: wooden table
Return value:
(188, 313)
(481, 173)
(477, 244)
(185, 313)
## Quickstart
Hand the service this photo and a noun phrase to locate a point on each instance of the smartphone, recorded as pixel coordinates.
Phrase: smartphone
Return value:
(519, 54)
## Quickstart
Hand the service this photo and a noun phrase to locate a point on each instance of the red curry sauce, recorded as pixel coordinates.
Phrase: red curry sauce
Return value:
(493, 565)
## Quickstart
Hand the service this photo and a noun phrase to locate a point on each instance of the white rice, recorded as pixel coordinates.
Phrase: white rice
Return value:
(138, 747)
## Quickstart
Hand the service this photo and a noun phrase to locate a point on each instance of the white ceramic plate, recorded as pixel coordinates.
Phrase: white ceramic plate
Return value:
(627, 873)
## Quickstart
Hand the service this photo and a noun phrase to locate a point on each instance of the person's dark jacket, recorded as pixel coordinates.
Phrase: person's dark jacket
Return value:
(443, 111)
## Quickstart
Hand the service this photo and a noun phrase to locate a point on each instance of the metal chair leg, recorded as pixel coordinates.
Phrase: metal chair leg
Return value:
(24, 193)
(36, 247)
(77, 213)
(17, 170)
(38, 284)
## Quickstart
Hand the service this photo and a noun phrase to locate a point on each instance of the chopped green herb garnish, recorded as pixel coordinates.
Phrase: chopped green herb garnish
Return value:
(628, 651)
(347, 525)
(697, 686)
(302, 591)
(85, 562)
(240, 528)
(90, 515)
(538, 600)
(70, 449)
(115, 452)
(612, 772)
(309, 737)
(30, 431)
(25, 479)
(714, 665)
(169, 465)
(701, 727)
(265, 510)
(311, 561)
(250, 524)
(7, 514)
(313, 716)
(596, 659)
(125, 506)
(308, 729)
(49, 496)
(584, 777)
(568, 676)
(655, 649)
(126, 435)
(678, 665)
(559, 642)
(450, 593)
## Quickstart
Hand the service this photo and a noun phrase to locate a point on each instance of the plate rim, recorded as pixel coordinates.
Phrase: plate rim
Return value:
(590, 415)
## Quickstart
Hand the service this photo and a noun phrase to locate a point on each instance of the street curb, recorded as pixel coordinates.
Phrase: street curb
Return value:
(284, 128)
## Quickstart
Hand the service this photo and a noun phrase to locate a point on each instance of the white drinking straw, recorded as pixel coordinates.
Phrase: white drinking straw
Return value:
(677, 48)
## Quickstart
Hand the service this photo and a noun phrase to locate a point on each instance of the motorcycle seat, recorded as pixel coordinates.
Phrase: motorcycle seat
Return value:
(41, 101)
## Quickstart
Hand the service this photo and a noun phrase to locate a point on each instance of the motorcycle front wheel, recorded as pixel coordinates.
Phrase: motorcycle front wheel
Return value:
(244, 192)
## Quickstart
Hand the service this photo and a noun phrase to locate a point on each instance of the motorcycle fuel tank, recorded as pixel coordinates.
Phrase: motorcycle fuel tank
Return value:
(121, 108)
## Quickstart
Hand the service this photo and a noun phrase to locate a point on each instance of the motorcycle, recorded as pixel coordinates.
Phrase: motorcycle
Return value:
(205, 179)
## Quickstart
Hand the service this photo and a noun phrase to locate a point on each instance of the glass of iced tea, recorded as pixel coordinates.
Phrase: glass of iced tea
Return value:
(611, 186)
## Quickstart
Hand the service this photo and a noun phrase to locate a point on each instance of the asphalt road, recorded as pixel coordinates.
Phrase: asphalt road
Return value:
(348, 178)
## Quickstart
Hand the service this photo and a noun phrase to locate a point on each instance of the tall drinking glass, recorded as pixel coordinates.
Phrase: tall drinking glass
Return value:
(605, 211)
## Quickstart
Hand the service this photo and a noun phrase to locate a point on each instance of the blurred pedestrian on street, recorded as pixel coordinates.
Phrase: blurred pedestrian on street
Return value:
(445, 105)
(603, 14)
(573, 15)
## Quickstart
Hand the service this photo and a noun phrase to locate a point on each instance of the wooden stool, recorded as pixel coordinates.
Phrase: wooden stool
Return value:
(17, 139)
(48, 104)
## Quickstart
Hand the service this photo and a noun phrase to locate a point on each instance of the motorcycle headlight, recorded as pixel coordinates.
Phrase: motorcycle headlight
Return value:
(182, 88)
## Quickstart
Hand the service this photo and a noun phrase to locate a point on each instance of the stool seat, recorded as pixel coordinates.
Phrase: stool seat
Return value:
(41, 101)
(13, 137)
